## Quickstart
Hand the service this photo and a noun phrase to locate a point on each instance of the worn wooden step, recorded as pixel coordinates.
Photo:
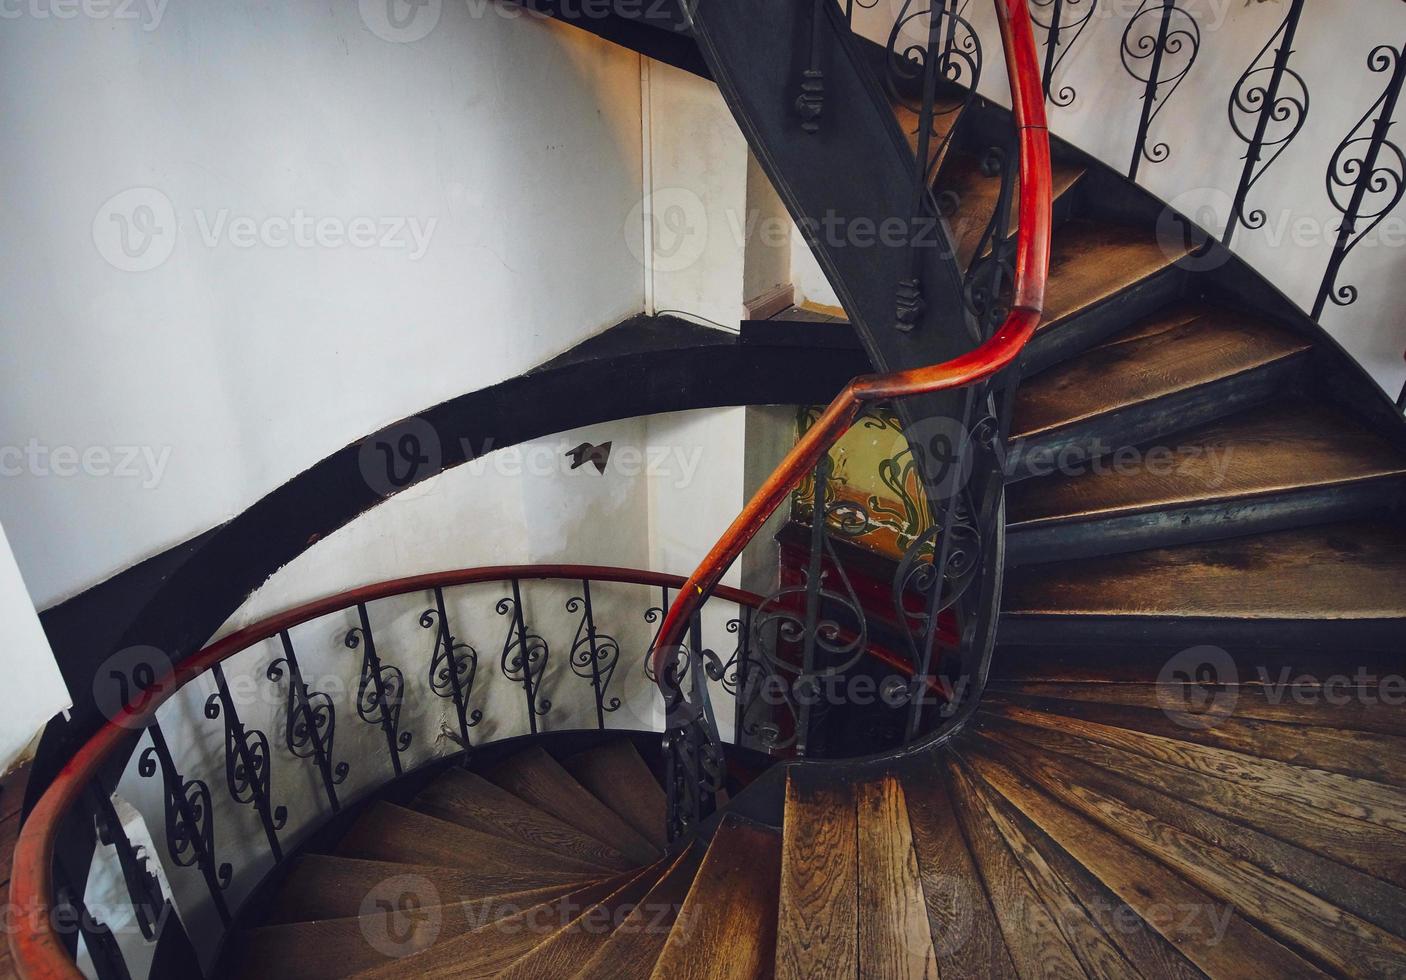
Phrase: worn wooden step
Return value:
(1208, 932)
(726, 929)
(1288, 462)
(1337, 940)
(894, 938)
(816, 931)
(1103, 277)
(1032, 934)
(632, 950)
(617, 776)
(566, 949)
(491, 948)
(1306, 581)
(967, 937)
(473, 802)
(413, 915)
(1171, 371)
(326, 886)
(386, 832)
(536, 778)
(1354, 844)
(1356, 799)
(1360, 894)
(972, 194)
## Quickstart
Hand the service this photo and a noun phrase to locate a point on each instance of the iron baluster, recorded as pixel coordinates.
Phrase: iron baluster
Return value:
(1272, 108)
(806, 686)
(247, 775)
(1138, 47)
(655, 614)
(312, 722)
(1056, 49)
(911, 304)
(992, 264)
(593, 654)
(525, 655)
(1364, 176)
(692, 748)
(143, 887)
(190, 829)
(381, 690)
(453, 668)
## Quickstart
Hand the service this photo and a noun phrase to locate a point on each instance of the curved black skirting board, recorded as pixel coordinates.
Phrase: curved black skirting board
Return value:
(642, 366)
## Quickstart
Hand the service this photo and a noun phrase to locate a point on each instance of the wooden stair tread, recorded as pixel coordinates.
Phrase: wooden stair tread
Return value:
(816, 921)
(1354, 844)
(386, 832)
(1229, 947)
(1330, 935)
(562, 952)
(1174, 351)
(967, 937)
(488, 950)
(975, 194)
(473, 802)
(1281, 446)
(414, 918)
(632, 950)
(1091, 262)
(619, 778)
(1349, 571)
(536, 778)
(326, 886)
(726, 929)
(894, 938)
(1032, 934)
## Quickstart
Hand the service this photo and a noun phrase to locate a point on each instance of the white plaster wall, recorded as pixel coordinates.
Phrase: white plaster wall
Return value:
(1200, 178)
(697, 197)
(514, 142)
(35, 690)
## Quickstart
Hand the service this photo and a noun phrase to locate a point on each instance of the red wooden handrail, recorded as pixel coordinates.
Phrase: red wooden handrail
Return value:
(1031, 270)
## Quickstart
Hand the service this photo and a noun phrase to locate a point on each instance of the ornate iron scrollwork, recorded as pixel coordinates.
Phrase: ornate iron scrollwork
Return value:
(381, 689)
(311, 726)
(1268, 107)
(525, 655)
(593, 654)
(1160, 44)
(693, 752)
(986, 283)
(247, 775)
(190, 827)
(453, 667)
(1366, 177)
(1063, 22)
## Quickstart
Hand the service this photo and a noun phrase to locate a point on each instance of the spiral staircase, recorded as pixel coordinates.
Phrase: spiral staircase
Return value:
(1183, 756)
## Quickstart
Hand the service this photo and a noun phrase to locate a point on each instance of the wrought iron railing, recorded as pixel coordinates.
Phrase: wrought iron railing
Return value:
(401, 661)
(946, 586)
